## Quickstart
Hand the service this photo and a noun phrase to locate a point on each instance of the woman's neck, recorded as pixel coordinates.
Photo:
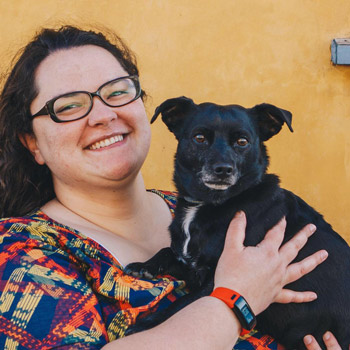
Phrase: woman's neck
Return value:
(122, 210)
(130, 222)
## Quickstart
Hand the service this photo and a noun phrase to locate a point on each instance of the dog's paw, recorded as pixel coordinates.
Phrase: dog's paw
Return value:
(197, 278)
(141, 270)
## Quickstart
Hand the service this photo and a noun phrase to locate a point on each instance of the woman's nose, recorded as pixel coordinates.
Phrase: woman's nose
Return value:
(101, 114)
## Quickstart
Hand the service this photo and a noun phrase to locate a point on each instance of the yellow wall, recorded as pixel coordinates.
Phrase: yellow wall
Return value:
(226, 51)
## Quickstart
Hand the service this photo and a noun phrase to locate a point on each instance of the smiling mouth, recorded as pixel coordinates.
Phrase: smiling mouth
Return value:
(107, 142)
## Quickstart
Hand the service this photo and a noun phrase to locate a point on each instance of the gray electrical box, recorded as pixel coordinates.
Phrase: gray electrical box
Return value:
(340, 49)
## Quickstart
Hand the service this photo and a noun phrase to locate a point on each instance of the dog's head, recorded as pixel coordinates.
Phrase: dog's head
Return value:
(221, 151)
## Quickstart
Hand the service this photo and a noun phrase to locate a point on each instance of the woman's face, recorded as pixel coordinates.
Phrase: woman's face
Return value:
(68, 149)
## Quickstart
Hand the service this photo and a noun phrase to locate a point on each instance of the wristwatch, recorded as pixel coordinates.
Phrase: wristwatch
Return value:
(239, 306)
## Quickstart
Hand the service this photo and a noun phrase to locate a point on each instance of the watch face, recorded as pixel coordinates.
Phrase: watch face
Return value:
(246, 312)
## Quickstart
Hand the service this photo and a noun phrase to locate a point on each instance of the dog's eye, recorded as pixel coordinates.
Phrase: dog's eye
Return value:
(199, 138)
(242, 141)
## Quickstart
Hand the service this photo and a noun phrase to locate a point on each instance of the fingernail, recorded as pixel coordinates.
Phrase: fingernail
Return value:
(313, 296)
(239, 214)
(324, 255)
(307, 340)
(312, 228)
(327, 336)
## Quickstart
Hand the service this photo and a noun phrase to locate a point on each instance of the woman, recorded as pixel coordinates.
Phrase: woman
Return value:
(71, 184)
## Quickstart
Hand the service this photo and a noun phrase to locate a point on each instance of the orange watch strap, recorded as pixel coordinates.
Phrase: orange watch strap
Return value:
(229, 297)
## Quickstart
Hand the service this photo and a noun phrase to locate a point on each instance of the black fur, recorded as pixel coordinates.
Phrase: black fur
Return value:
(222, 146)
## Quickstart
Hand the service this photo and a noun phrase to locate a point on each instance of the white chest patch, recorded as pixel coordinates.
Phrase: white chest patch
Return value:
(189, 216)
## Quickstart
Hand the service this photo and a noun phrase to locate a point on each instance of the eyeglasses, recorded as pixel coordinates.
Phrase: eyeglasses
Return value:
(78, 104)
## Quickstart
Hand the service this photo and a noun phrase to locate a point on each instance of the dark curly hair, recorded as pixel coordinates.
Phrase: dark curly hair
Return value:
(24, 184)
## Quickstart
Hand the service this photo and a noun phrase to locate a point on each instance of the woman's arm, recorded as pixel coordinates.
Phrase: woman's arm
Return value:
(258, 273)
(205, 324)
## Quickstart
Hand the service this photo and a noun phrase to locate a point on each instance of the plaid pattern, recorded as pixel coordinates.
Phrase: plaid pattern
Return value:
(60, 289)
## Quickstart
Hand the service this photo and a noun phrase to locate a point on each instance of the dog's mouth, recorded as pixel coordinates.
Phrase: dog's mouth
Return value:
(219, 186)
(217, 182)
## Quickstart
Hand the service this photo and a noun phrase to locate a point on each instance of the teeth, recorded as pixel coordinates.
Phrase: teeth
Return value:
(107, 142)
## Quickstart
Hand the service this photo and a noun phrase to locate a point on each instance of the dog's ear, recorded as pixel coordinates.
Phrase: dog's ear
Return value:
(174, 112)
(271, 119)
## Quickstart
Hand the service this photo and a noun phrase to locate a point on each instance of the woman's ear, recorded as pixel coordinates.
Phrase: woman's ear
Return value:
(29, 142)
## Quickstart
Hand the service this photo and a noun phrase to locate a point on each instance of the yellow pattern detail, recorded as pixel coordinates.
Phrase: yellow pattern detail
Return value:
(26, 306)
(11, 344)
(50, 276)
(11, 289)
(41, 230)
(88, 336)
(108, 282)
(3, 236)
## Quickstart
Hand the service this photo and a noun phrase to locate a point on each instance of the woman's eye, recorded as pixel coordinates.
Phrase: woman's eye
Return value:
(199, 138)
(68, 107)
(242, 141)
(116, 94)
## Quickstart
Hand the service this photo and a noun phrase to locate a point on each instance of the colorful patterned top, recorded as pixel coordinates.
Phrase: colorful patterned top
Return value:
(60, 289)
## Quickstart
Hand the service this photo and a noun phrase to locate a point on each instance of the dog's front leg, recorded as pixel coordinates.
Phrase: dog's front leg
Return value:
(164, 262)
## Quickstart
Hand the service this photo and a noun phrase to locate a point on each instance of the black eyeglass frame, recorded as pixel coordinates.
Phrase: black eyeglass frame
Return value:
(48, 108)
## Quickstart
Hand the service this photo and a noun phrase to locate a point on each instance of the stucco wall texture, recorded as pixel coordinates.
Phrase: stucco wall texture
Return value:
(225, 51)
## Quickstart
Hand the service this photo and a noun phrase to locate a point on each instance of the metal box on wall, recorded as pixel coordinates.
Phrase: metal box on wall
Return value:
(340, 49)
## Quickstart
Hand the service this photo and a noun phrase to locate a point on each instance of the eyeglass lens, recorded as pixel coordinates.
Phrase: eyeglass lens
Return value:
(75, 105)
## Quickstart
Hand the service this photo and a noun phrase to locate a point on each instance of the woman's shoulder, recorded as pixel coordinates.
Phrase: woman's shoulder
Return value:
(36, 231)
(32, 225)
(35, 216)
(25, 236)
(170, 198)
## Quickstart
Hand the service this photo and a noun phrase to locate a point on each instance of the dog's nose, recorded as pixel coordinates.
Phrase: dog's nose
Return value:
(223, 169)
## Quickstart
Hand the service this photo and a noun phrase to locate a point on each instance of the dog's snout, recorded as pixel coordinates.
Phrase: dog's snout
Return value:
(223, 169)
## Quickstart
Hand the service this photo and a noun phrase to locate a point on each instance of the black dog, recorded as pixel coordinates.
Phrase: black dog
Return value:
(220, 168)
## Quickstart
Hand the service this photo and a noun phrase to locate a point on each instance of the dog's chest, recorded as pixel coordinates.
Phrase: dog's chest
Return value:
(199, 234)
(199, 230)
(189, 216)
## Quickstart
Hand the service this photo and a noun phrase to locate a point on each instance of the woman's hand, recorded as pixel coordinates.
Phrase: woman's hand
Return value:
(328, 338)
(260, 273)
